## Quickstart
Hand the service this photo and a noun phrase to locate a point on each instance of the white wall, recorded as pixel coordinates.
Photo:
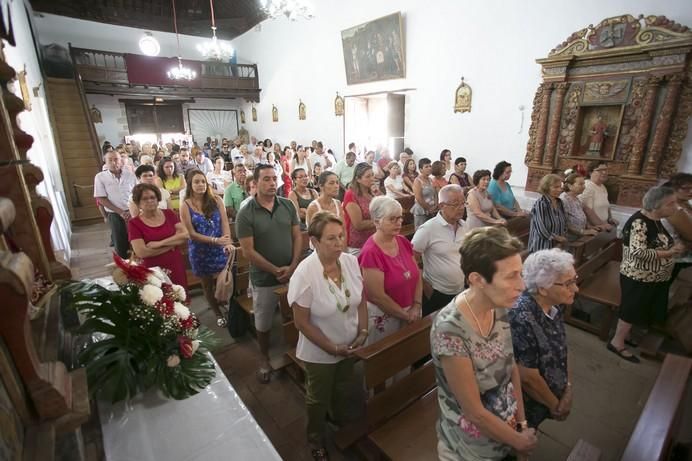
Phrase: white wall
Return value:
(37, 123)
(493, 44)
(114, 125)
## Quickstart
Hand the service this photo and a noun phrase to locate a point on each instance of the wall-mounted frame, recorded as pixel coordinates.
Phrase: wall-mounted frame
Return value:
(598, 130)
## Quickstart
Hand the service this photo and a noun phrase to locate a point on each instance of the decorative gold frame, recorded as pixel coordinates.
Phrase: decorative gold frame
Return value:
(242, 116)
(95, 114)
(254, 113)
(462, 98)
(275, 114)
(24, 88)
(338, 105)
(301, 110)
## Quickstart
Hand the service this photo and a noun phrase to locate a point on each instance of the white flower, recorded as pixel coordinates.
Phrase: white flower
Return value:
(179, 292)
(173, 360)
(150, 294)
(195, 345)
(153, 280)
(181, 311)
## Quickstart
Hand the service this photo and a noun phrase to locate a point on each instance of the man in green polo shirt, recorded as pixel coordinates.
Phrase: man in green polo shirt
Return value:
(235, 192)
(268, 229)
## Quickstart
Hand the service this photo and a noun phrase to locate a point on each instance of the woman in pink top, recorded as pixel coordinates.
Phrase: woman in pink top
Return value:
(357, 199)
(392, 280)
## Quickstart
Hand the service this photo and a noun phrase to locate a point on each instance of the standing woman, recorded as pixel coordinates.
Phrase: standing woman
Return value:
(301, 160)
(391, 274)
(426, 196)
(301, 196)
(410, 173)
(548, 226)
(271, 160)
(648, 257)
(376, 170)
(327, 200)
(210, 237)
(156, 234)
(480, 210)
(329, 310)
(285, 162)
(460, 176)
(219, 179)
(357, 199)
(446, 157)
(170, 179)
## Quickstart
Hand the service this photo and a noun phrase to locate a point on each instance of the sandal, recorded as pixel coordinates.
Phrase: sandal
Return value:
(264, 375)
(320, 454)
(221, 321)
(631, 343)
(620, 353)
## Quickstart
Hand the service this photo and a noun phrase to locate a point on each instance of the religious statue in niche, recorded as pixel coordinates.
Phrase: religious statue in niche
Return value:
(21, 77)
(242, 116)
(599, 128)
(254, 113)
(338, 105)
(275, 114)
(301, 110)
(599, 131)
(95, 114)
(462, 99)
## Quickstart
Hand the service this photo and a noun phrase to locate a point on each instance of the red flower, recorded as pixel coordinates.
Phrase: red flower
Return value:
(185, 346)
(189, 323)
(134, 272)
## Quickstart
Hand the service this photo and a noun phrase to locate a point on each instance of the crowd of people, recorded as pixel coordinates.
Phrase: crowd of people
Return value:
(498, 340)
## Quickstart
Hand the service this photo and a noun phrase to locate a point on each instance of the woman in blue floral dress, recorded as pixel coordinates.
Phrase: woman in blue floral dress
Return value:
(210, 236)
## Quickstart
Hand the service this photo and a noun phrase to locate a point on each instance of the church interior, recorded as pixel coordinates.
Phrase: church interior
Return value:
(98, 92)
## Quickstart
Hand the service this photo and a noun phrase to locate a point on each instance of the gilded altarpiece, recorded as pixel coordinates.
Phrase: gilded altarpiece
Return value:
(620, 92)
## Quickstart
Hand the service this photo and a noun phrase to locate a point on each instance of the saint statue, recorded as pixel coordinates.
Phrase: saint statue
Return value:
(338, 105)
(599, 131)
(301, 111)
(275, 113)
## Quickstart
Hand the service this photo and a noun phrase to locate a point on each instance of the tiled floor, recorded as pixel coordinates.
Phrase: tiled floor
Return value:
(609, 393)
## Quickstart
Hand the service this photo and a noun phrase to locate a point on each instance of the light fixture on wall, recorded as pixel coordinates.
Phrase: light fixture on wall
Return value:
(179, 72)
(215, 48)
(149, 45)
(292, 9)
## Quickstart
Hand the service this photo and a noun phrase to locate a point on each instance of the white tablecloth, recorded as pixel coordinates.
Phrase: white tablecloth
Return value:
(212, 425)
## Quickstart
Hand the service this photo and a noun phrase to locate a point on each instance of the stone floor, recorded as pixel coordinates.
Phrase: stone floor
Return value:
(609, 393)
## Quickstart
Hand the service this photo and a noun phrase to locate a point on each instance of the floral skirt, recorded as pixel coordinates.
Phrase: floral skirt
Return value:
(381, 325)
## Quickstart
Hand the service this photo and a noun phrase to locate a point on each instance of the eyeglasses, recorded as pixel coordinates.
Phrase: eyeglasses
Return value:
(569, 283)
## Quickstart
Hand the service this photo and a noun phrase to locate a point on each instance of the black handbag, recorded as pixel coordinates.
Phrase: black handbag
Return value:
(238, 320)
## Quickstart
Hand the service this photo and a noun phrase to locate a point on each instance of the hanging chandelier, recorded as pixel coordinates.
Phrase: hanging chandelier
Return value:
(215, 49)
(291, 9)
(179, 72)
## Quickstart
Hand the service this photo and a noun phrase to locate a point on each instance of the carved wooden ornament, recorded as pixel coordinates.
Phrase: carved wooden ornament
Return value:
(462, 98)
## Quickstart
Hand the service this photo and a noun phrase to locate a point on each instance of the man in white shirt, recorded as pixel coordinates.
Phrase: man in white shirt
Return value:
(235, 152)
(323, 158)
(112, 188)
(437, 242)
(345, 168)
(203, 163)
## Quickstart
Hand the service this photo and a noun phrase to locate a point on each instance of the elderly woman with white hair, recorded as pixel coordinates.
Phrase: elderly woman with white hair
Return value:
(392, 280)
(648, 257)
(538, 334)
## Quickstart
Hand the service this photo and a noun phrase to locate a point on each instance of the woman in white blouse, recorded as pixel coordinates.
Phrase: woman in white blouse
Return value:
(219, 178)
(329, 311)
(394, 184)
(595, 197)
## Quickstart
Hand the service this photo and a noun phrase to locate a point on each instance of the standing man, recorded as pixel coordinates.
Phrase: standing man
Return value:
(185, 164)
(268, 229)
(323, 158)
(437, 242)
(234, 194)
(344, 169)
(112, 188)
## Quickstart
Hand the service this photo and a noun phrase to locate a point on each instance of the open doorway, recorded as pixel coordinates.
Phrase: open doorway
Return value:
(375, 122)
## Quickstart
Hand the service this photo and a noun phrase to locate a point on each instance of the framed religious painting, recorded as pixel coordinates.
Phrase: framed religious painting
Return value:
(374, 50)
(598, 129)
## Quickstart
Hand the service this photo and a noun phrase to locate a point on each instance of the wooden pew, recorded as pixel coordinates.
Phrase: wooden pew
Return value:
(585, 247)
(400, 414)
(519, 227)
(653, 434)
(599, 281)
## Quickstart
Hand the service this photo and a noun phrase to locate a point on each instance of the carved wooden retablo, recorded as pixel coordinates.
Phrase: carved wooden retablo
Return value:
(620, 92)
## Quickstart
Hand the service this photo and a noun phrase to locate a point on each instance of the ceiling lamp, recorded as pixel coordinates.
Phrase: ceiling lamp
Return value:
(180, 72)
(214, 48)
(149, 45)
(292, 9)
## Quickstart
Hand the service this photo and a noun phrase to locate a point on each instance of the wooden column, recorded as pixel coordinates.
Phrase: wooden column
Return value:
(644, 126)
(663, 124)
(547, 89)
(554, 130)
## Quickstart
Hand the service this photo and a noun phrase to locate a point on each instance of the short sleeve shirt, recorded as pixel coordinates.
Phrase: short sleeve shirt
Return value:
(596, 197)
(503, 198)
(308, 288)
(272, 232)
(540, 342)
(401, 272)
(233, 196)
(116, 189)
(576, 217)
(493, 360)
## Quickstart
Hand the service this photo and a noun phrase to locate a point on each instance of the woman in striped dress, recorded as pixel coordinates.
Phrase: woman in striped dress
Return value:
(548, 226)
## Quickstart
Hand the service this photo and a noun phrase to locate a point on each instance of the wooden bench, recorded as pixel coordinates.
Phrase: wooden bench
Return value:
(652, 438)
(519, 227)
(585, 247)
(599, 281)
(400, 413)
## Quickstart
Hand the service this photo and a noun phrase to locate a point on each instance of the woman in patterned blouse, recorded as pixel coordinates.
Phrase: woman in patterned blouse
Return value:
(548, 226)
(577, 223)
(479, 387)
(648, 257)
(538, 334)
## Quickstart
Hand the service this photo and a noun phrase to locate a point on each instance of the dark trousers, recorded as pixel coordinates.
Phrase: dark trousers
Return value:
(119, 234)
(436, 302)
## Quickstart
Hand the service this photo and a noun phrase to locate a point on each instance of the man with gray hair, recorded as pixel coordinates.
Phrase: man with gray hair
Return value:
(437, 242)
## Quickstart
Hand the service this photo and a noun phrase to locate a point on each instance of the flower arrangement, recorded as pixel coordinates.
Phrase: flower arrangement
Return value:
(151, 339)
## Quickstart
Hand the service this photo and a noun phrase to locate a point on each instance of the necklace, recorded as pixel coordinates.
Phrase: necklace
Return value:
(331, 283)
(478, 324)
